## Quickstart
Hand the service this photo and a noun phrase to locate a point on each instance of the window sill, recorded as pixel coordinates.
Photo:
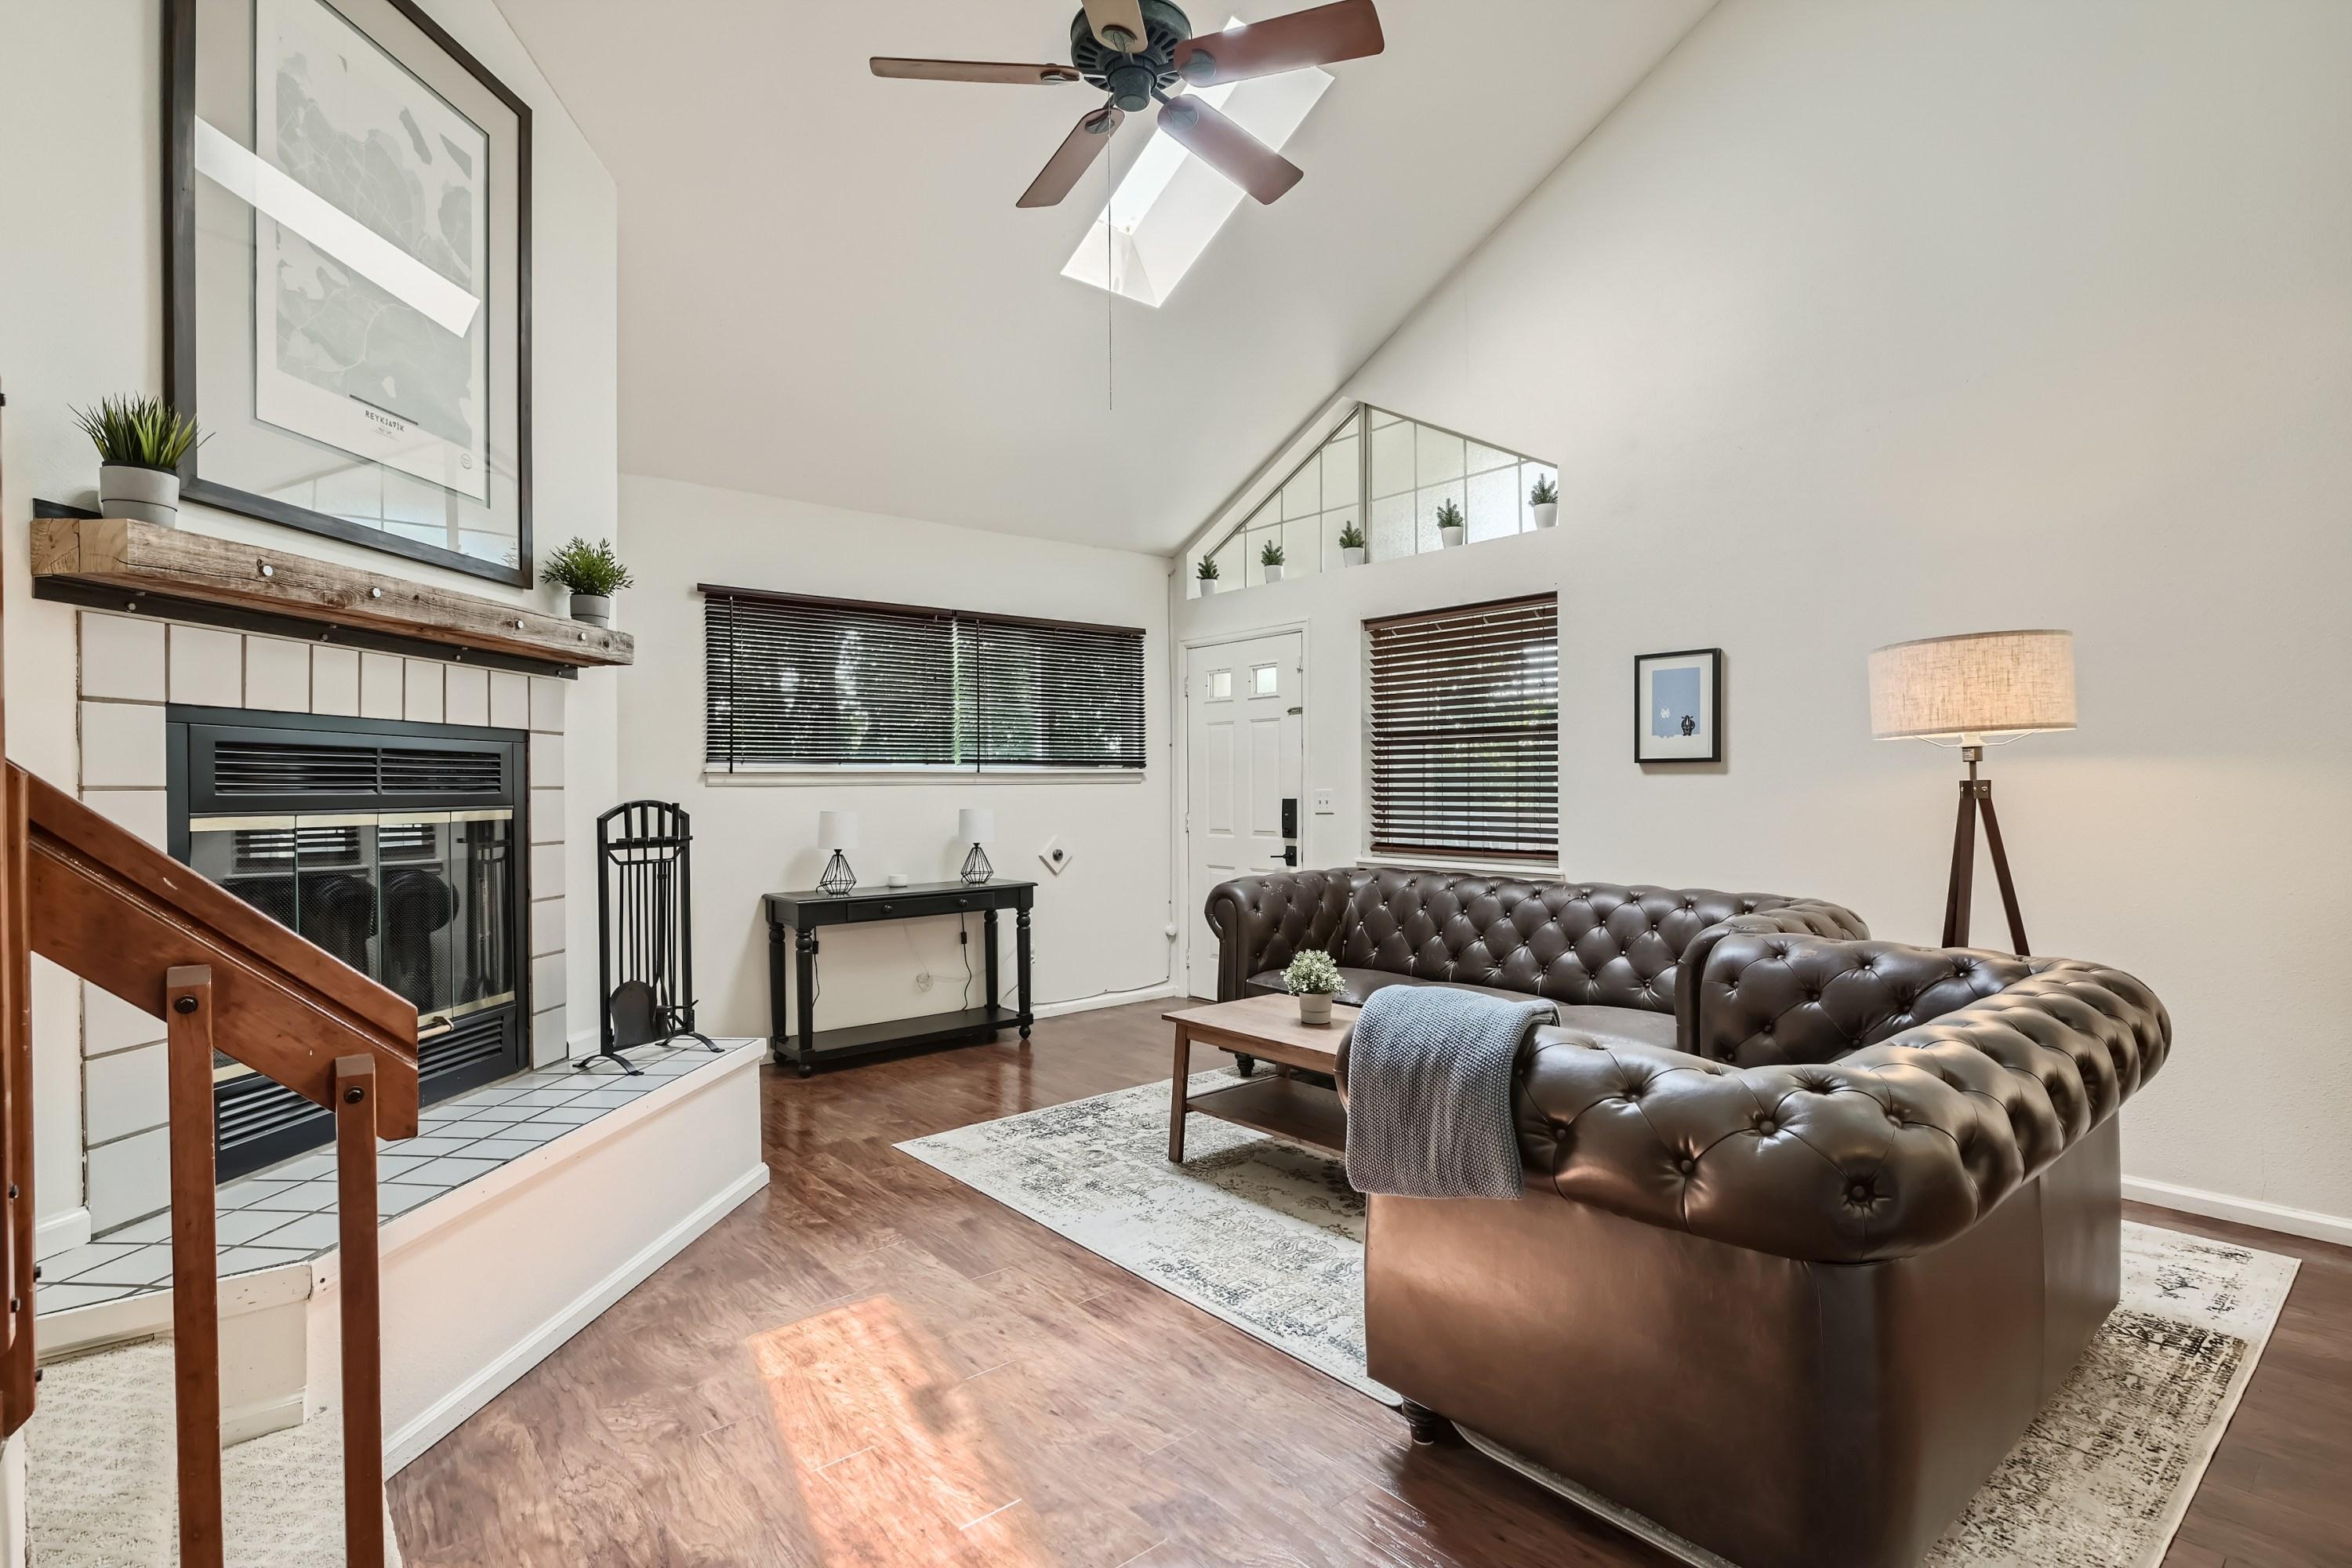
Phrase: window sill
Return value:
(1521, 870)
(798, 778)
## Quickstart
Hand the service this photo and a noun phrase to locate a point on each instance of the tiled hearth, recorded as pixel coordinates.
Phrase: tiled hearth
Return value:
(130, 669)
(285, 1214)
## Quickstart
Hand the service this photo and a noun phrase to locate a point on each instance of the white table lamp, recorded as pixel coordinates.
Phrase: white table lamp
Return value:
(838, 831)
(975, 826)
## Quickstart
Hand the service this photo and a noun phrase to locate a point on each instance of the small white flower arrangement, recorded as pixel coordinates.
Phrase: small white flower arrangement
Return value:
(1314, 978)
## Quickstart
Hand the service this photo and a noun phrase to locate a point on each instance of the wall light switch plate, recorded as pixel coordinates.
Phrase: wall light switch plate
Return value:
(1323, 806)
(1056, 855)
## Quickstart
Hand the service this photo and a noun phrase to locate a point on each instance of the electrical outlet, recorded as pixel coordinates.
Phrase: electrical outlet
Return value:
(1323, 802)
(923, 981)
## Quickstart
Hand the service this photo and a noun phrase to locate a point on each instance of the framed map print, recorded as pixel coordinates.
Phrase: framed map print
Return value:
(1678, 706)
(349, 273)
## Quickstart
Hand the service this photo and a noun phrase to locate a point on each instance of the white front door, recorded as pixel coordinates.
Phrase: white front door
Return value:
(1244, 749)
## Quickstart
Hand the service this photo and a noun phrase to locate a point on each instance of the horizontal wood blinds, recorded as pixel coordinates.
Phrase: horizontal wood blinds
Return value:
(1466, 731)
(796, 681)
(1056, 696)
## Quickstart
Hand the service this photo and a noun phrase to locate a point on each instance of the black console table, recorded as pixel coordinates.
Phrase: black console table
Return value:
(794, 918)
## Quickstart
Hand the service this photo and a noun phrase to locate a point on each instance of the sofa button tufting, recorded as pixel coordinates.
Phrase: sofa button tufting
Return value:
(1858, 1193)
(1767, 1126)
(1687, 1165)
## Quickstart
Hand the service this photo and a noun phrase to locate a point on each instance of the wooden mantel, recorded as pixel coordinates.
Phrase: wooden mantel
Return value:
(142, 559)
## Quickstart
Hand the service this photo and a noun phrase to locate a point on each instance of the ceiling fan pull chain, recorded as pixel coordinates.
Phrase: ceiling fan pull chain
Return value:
(1111, 298)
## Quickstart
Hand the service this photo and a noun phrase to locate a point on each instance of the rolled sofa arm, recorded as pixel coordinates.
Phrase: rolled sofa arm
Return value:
(1800, 917)
(1260, 922)
(1892, 1150)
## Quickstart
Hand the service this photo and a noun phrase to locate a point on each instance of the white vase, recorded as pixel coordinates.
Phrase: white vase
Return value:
(143, 495)
(1274, 573)
(595, 609)
(1450, 537)
(1351, 555)
(1314, 1008)
(1546, 513)
(1208, 586)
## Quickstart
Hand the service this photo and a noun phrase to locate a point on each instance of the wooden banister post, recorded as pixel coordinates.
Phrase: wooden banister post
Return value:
(355, 1197)
(196, 1284)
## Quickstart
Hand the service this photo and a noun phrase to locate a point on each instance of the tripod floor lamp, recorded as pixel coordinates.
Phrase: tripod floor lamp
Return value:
(1963, 691)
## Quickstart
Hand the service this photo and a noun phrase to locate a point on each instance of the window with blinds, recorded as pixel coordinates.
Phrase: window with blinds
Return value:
(1466, 731)
(801, 682)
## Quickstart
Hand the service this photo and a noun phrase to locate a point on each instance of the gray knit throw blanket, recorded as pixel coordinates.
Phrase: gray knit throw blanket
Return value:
(1429, 1093)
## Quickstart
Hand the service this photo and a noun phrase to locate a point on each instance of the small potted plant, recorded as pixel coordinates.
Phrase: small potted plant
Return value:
(1206, 573)
(1544, 500)
(1314, 979)
(1452, 527)
(1270, 557)
(1351, 546)
(141, 442)
(592, 573)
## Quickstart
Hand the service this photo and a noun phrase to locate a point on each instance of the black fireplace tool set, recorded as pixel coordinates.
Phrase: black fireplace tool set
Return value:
(644, 930)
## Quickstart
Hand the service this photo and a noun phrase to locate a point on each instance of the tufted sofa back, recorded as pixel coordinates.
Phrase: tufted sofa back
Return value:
(1577, 942)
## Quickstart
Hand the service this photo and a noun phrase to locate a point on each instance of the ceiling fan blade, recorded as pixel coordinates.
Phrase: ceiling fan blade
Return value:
(1118, 22)
(1073, 158)
(1347, 31)
(1228, 149)
(973, 70)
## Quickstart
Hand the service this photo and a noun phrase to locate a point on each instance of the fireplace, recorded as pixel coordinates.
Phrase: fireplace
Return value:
(397, 846)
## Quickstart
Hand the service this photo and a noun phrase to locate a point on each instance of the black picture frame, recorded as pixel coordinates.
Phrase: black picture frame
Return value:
(179, 365)
(1713, 657)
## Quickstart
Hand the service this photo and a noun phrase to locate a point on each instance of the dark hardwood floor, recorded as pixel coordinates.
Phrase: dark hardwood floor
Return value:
(873, 1366)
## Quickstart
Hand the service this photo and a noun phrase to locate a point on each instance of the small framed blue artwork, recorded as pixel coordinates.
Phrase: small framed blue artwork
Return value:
(1678, 706)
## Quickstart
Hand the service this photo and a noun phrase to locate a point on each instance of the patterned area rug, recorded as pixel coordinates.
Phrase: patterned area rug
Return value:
(1269, 1236)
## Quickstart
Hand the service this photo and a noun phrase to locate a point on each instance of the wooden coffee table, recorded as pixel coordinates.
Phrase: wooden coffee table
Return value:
(1262, 1028)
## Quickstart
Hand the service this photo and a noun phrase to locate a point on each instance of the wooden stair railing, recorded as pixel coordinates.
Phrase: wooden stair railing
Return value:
(110, 907)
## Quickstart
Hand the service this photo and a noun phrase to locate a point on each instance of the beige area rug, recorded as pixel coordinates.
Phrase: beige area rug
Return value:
(102, 1488)
(1269, 1236)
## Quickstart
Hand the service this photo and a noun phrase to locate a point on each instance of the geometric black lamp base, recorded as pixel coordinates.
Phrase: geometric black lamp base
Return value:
(838, 877)
(976, 869)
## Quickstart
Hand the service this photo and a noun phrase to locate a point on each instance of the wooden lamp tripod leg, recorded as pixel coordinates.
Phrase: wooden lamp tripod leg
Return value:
(1961, 892)
(2001, 871)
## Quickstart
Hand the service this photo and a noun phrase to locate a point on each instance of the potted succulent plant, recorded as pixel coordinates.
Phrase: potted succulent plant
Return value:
(1270, 557)
(1206, 573)
(1452, 527)
(1351, 546)
(592, 573)
(141, 442)
(1544, 501)
(1314, 978)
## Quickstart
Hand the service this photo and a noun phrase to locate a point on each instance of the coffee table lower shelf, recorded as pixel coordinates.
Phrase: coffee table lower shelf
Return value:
(1286, 1107)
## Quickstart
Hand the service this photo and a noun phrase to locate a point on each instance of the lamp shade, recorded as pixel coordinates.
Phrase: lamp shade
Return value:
(836, 830)
(1983, 683)
(975, 824)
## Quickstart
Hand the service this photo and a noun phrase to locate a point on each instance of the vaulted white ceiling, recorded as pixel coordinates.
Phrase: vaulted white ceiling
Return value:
(827, 294)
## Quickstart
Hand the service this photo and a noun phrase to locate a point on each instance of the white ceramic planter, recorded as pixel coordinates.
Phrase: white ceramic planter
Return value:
(1274, 573)
(1314, 1008)
(1351, 555)
(596, 609)
(143, 495)
(1450, 537)
(1208, 586)
(1547, 514)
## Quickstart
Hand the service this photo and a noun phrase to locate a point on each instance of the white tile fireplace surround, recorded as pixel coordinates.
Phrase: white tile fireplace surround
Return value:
(130, 668)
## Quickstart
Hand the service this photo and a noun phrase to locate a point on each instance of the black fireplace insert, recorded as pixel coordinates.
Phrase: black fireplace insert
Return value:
(401, 849)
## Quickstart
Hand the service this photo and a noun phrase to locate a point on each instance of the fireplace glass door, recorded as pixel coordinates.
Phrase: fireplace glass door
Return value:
(397, 847)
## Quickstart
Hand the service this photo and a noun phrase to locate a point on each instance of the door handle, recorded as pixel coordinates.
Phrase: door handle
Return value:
(1288, 855)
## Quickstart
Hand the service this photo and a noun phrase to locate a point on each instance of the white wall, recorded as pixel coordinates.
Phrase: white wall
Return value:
(81, 317)
(1863, 323)
(1099, 924)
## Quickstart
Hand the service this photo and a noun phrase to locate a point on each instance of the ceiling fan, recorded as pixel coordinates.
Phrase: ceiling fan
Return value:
(1141, 50)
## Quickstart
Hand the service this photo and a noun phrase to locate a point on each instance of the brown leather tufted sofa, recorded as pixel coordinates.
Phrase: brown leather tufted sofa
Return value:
(1609, 955)
(1793, 1289)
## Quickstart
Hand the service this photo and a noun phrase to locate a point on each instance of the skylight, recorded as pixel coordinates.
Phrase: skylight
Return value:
(1169, 204)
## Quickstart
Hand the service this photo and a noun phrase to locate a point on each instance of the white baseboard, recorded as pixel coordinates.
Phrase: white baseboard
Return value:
(1108, 999)
(2288, 1221)
(445, 1415)
(60, 1231)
